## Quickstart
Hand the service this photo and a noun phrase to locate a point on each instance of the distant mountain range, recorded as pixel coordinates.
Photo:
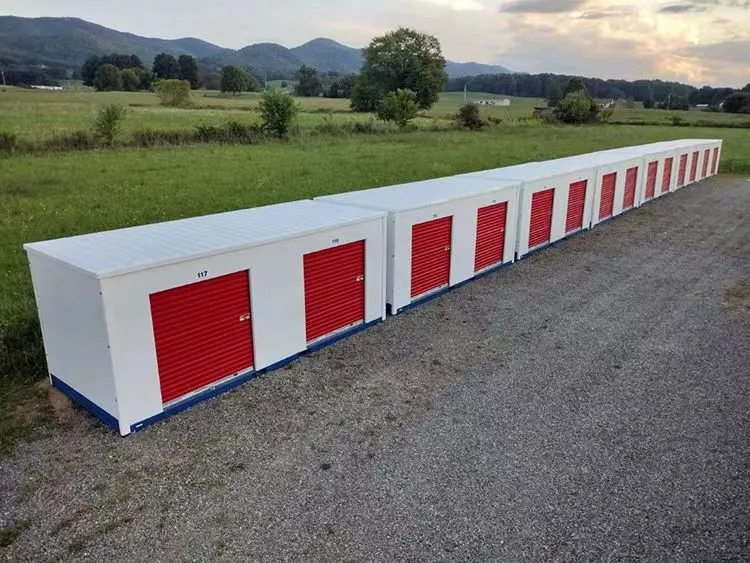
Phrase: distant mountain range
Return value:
(68, 42)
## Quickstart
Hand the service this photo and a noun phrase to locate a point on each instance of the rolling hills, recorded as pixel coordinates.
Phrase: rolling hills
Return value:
(67, 42)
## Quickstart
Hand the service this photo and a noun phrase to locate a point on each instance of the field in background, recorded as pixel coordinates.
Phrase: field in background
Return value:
(61, 194)
(37, 115)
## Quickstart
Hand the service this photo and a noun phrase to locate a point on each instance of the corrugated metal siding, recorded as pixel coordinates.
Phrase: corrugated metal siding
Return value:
(682, 171)
(666, 178)
(706, 158)
(631, 178)
(540, 226)
(653, 168)
(694, 166)
(607, 201)
(334, 289)
(576, 205)
(430, 255)
(715, 161)
(202, 333)
(490, 245)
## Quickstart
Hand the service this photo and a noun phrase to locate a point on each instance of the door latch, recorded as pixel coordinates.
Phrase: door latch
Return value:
(245, 317)
(361, 278)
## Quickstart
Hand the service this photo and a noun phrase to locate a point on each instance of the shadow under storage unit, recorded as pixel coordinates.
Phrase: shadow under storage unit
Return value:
(555, 200)
(441, 232)
(142, 322)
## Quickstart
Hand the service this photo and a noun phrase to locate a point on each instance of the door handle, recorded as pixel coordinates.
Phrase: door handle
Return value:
(361, 278)
(244, 317)
(447, 248)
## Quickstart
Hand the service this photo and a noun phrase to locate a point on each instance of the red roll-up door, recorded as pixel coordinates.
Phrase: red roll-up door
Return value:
(631, 177)
(202, 333)
(681, 172)
(334, 289)
(706, 158)
(576, 205)
(607, 201)
(715, 161)
(666, 178)
(694, 167)
(490, 245)
(653, 168)
(430, 255)
(540, 227)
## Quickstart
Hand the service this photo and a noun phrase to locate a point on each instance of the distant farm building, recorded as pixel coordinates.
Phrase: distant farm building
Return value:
(505, 102)
(40, 87)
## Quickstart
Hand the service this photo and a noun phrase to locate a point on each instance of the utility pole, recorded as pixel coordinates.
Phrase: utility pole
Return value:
(3, 74)
(465, 86)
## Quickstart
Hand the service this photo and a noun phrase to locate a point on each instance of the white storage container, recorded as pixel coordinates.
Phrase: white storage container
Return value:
(556, 198)
(142, 322)
(441, 232)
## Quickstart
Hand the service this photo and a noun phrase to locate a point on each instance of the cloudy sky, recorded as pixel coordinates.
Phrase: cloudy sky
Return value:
(695, 41)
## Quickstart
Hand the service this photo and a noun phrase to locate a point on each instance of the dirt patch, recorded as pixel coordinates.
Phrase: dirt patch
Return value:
(737, 298)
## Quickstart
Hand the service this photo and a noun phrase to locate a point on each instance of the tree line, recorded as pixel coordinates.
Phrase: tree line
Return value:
(653, 93)
(127, 72)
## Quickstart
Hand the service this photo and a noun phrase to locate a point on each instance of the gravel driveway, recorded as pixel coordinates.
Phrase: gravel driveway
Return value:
(590, 403)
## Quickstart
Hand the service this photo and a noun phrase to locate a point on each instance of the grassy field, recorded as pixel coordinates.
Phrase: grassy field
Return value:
(61, 194)
(38, 115)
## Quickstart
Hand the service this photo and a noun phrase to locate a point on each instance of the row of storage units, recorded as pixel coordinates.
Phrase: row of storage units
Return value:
(143, 322)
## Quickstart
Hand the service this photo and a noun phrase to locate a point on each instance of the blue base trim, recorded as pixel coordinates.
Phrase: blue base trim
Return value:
(82, 401)
(340, 336)
(208, 394)
(431, 296)
(279, 365)
(240, 380)
(558, 241)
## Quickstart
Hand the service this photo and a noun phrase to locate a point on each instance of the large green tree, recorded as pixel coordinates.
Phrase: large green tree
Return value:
(402, 59)
(233, 80)
(189, 70)
(308, 82)
(166, 67)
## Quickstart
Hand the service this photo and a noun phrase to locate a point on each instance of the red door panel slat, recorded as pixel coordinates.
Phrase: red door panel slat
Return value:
(715, 161)
(334, 289)
(653, 168)
(706, 158)
(430, 255)
(694, 167)
(667, 176)
(682, 171)
(490, 244)
(631, 178)
(540, 226)
(202, 333)
(607, 201)
(576, 206)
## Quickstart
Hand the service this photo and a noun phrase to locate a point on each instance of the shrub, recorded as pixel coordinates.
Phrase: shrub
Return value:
(130, 80)
(606, 114)
(468, 116)
(73, 141)
(277, 111)
(108, 122)
(676, 120)
(8, 142)
(150, 138)
(575, 107)
(400, 107)
(173, 93)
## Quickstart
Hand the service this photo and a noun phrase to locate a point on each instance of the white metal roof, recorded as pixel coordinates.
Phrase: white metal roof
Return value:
(414, 195)
(112, 253)
(532, 171)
